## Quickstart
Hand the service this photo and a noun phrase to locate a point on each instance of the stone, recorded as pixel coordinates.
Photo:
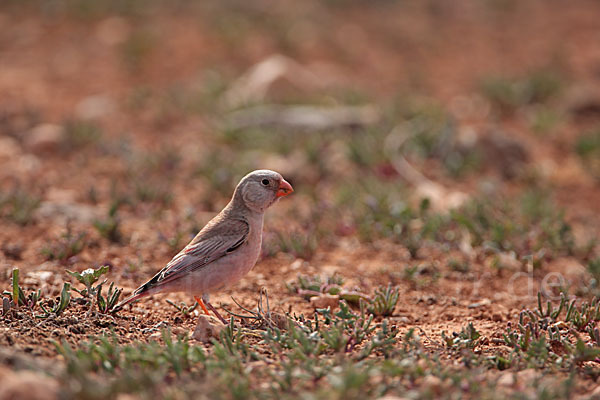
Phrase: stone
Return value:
(297, 264)
(113, 31)
(595, 393)
(94, 107)
(583, 101)
(507, 260)
(44, 138)
(13, 251)
(179, 332)
(5, 372)
(9, 148)
(207, 328)
(127, 396)
(562, 271)
(38, 278)
(480, 304)
(325, 300)
(281, 321)
(433, 383)
(527, 376)
(62, 212)
(507, 379)
(503, 153)
(28, 385)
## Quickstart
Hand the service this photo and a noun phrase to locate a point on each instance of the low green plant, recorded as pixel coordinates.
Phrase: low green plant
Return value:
(69, 245)
(340, 331)
(18, 297)
(545, 337)
(79, 134)
(102, 366)
(508, 95)
(146, 191)
(19, 206)
(60, 306)
(183, 308)
(550, 312)
(105, 305)
(6, 305)
(136, 49)
(93, 292)
(88, 278)
(174, 242)
(385, 300)
(383, 341)
(110, 227)
(588, 149)
(309, 286)
(544, 119)
(297, 243)
(593, 268)
(420, 275)
(534, 225)
(468, 337)
(581, 318)
(459, 266)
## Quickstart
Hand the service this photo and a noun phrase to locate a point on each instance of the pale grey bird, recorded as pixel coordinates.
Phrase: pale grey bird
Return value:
(224, 250)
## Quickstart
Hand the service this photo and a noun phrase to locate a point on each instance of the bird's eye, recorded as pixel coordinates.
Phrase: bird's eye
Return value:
(265, 182)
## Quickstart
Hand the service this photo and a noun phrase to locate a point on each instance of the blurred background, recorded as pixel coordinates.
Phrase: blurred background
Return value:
(413, 128)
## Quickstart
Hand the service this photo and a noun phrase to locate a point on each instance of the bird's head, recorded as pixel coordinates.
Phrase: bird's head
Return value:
(260, 189)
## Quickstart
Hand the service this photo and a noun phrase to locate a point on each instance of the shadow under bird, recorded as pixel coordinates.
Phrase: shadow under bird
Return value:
(224, 250)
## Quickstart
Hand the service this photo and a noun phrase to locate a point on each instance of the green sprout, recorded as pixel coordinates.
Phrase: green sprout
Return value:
(5, 305)
(309, 286)
(385, 301)
(19, 206)
(183, 308)
(88, 278)
(109, 227)
(588, 149)
(112, 298)
(17, 296)
(467, 338)
(70, 244)
(61, 305)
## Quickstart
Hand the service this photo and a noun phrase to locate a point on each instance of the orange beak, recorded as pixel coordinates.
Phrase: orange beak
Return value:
(284, 188)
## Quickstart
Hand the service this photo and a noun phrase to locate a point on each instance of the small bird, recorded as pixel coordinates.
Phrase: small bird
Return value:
(224, 250)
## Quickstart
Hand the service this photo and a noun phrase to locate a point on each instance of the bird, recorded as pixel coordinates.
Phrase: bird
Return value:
(225, 250)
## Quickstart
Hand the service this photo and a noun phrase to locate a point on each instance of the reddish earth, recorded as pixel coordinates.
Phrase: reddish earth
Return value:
(144, 68)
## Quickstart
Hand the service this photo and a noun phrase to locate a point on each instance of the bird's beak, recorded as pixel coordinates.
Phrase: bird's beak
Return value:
(284, 188)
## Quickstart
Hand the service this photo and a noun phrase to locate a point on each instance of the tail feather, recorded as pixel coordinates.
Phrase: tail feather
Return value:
(139, 293)
(146, 289)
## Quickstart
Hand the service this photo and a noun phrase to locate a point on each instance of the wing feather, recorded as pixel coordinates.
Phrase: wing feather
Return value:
(212, 243)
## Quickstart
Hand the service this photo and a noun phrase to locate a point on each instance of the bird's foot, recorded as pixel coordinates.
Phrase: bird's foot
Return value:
(205, 304)
(199, 301)
(214, 310)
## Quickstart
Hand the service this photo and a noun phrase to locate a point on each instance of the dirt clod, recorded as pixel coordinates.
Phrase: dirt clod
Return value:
(27, 385)
(325, 301)
(207, 328)
(44, 138)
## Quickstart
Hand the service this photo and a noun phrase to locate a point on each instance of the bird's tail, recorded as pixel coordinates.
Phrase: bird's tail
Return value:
(139, 293)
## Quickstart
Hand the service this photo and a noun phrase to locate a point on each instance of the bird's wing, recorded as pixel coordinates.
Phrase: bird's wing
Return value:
(209, 245)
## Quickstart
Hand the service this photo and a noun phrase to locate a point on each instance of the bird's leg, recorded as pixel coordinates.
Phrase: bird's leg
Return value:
(199, 301)
(214, 310)
(204, 303)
